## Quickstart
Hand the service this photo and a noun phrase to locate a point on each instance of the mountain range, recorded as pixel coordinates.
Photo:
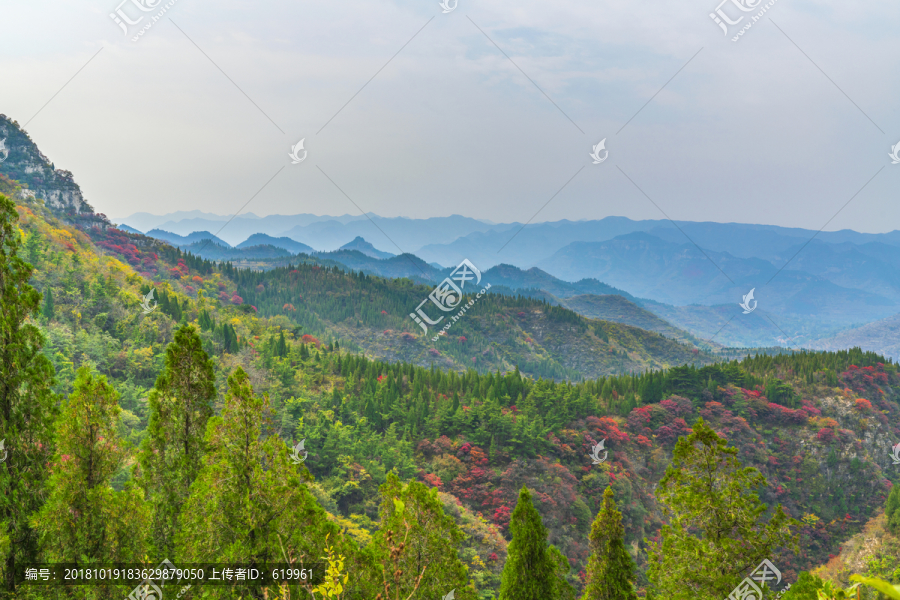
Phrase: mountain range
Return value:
(811, 288)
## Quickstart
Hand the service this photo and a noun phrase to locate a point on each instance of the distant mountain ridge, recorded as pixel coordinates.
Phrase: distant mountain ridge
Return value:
(285, 243)
(186, 240)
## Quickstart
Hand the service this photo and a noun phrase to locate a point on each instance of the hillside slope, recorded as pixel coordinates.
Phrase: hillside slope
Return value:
(881, 336)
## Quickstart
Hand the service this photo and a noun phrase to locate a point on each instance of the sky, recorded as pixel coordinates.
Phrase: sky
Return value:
(490, 110)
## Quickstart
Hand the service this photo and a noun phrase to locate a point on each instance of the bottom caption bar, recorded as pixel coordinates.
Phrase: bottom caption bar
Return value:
(152, 579)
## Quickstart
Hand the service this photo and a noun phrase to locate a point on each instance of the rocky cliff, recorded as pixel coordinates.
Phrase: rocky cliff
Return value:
(22, 161)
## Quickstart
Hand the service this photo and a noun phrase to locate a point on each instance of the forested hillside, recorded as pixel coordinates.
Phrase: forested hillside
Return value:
(406, 452)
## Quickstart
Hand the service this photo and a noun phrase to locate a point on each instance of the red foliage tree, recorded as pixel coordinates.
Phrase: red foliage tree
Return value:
(863, 405)
(826, 434)
(434, 481)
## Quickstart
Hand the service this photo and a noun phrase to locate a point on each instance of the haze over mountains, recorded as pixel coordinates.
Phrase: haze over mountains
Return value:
(810, 286)
(682, 279)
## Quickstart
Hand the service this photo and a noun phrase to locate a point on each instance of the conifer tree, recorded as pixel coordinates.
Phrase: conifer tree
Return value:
(206, 321)
(610, 569)
(281, 349)
(84, 520)
(416, 545)
(27, 404)
(48, 309)
(179, 407)
(250, 504)
(892, 509)
(714, 533)
(532, 571)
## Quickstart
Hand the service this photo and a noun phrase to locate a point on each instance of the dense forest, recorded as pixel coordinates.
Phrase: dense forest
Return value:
(237, 417)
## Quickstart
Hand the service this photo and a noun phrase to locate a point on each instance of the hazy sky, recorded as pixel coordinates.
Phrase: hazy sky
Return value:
(748, 131)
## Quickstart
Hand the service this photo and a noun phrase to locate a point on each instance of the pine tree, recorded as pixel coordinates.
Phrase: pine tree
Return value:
(206, 321)
(281, 349)
(610, 569)
(48, 309)
(416, 545)
(714, 525)
(250, 504)
(892, 509)
(27, 404)
(84, 520)
(531, 571)
(179, 407)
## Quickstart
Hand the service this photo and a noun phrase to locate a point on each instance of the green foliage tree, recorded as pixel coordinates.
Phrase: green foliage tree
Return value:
(250, 504)
(48, 309)
(610, 569)
(85, 521)
(416, 546)
(715, 536)
(27, 404)
(532, 569)
(892, 510)
(806, 588)
(180, 406)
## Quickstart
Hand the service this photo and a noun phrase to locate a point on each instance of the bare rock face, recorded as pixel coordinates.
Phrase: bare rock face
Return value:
(22, 161)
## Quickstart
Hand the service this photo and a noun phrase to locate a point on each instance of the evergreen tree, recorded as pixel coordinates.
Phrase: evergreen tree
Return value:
(48, 309)
(892, 509)
(562, 589)
(416, 545)
(610, 569)
(250, 504)
(714, 537)
(531, 571)
(206, 321)
(85, 521)
(179, 407)
(27, 404)
(281, 348)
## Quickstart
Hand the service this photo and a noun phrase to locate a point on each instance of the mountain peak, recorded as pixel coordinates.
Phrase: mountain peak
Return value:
(360, 244)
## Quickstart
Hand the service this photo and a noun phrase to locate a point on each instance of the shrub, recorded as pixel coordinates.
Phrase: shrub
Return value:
(826, 434)
(863, 405)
